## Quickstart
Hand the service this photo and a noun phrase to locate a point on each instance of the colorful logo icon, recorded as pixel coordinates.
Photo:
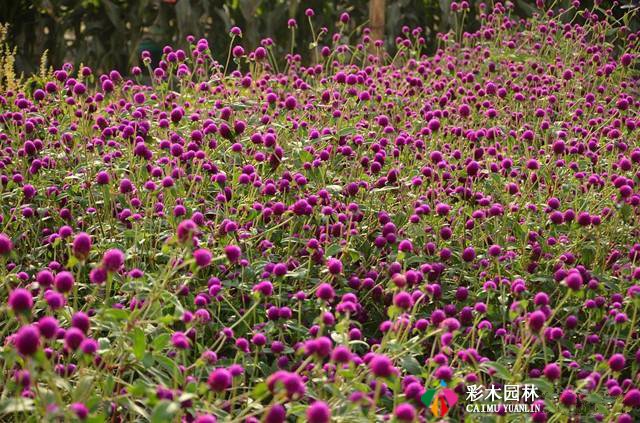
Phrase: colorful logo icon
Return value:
(439, 400)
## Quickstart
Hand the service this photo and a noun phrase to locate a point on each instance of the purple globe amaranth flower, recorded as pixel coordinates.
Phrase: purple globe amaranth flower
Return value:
(632, 398)
(81, 245)
(27, 340)
(48, 326)
(617, 362)
(325, 292)
(573, 280)
(20, 300)
(64, 281)
(537, 320)
(292, 383)
(275, 414)
(202, 257)
(80, 410)
(381, 366)
(568, 398)
(5, 244)
(334, 266)
(73, 337)
(552, 371)
(318, 412)
(405, 412)
(112, 260)
(98, 275)
(219, 380)
(233, 253)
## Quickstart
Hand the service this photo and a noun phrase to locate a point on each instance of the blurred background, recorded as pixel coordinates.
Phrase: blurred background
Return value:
(110, 34)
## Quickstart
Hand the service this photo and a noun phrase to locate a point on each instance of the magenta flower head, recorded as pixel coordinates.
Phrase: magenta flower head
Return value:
(180, 341)
(238, 51)
(568, 398)
(20, 300)
(80, 410)
(112, 260)
(98, 275)
(405, 412)
(617, 362)
(325, 292)
(27, 340)
(275, 414)
(233, 253)
(552, 371)
(187, 229)
(219, 380)
(335, 266)
(48, 326)
(537, 320)
(573, 280)
(64, 281)
(632, 398)
(292, 383)
(73, 337)
(202, 257)
(5, 244)
(81, 246)
(381, 366)
(318, 412)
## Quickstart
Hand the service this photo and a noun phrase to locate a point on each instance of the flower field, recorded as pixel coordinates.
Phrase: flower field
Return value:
(234, 240)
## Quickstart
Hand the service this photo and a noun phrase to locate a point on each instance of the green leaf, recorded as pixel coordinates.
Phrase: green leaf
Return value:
(500, 370)
(164, 412)
(411, 365)
(139, 343)
(161, 341)
(16, 405)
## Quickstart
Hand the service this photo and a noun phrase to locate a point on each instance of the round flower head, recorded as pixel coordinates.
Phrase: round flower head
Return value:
(405, 412)
(48, 326)
(233, 253)
(64, 281)
(20, 300)
(568, 398)
(325, 292)
(318, 412)
(187, 229)
(536, 320)
(73, 337)
(5, 244)
(219, 380)
(617, 362)
(80, 410)
(202, 257)
(112, 260)
(552, 371)
(632, 398)
(27, 340)
(81, 246)
(275, 414)
(335, 266)
(381, 366)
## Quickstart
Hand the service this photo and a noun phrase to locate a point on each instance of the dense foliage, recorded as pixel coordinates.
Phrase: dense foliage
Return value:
(326, 242)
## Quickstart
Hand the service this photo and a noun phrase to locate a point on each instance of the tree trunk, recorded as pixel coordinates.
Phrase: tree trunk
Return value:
(376, 19)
